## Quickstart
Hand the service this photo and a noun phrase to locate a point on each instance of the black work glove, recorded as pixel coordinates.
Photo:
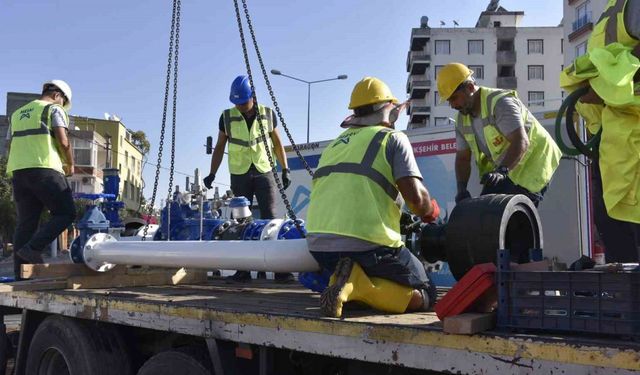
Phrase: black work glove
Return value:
(494, 178)
(285, 178)
(462, 195)
(209, 180)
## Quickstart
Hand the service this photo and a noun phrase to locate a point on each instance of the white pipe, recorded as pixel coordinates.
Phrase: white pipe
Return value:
(102, 252)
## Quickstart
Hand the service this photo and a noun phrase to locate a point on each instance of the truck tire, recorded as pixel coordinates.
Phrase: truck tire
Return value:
(183, 361)
(479, 227)
(65, 346)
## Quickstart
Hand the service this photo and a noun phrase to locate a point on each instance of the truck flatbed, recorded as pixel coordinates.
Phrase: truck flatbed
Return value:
(287, 316)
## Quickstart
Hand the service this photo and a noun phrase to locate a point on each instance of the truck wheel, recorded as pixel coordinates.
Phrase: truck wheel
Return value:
(64, 346)
(183, 361)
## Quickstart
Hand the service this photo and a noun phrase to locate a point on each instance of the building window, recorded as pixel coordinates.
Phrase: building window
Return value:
(478, 71)
(82, 151)
(442, 121)
(536, 72)
(443, 47)
(535, 46)
(581, 49)
(75, 186)
(536, 99)
(475, 47)
(583, 16)
(561, 45)
(437, 70)
(436, 98)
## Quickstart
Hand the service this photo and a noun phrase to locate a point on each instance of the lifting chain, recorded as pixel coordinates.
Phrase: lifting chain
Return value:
(263, 136)
(273, 97)
(174, 36)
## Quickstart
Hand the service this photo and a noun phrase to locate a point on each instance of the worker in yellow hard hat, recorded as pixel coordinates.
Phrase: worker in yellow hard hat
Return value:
(513, 152)
(40, 156)
(611, 70)
(353, 221)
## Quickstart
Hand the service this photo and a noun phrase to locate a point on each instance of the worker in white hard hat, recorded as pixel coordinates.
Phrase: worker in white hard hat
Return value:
(40, 156)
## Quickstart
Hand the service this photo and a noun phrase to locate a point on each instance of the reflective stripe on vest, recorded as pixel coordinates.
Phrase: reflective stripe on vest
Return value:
(365, 168)
(33, 144)
(535, 169)
(610, 27)
(246, 146)
(354, 192)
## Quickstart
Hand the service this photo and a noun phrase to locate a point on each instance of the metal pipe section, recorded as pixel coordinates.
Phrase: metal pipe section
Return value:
(102, 252)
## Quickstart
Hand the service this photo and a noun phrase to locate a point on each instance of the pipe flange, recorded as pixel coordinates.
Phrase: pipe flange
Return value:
(89, 251)
(271, 230)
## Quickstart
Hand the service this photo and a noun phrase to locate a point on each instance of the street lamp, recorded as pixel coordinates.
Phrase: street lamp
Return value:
(279, 73)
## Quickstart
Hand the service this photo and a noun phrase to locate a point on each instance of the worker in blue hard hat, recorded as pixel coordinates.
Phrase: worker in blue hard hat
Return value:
(249, 164)
(40, 156)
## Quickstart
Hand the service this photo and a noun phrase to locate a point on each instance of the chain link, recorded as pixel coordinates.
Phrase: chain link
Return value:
(175, 100)
(164, 118)
(263, 136)
(273, 97)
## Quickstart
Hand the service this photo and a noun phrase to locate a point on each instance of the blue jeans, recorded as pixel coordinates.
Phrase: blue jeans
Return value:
(395, 264)
(507, 186)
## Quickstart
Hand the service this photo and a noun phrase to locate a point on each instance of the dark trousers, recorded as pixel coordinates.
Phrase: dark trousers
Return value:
(398, 265)
(621, 239)
(507, 186)
(262, 185)
(35, 189)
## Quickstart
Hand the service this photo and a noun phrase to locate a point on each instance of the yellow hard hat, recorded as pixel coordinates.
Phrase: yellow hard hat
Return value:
(370, 90)
(450, 77)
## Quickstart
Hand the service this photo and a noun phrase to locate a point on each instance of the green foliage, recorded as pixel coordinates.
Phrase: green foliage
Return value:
(7, 207)
(139, 139)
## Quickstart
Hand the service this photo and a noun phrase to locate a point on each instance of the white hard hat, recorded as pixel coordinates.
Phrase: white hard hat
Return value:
(64, 87)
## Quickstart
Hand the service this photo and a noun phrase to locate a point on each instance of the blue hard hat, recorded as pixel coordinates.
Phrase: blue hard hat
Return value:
(240, 90)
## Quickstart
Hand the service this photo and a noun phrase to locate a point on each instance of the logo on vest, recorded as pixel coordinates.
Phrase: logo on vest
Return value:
(497, 141)
(344, 138)
(25, 113)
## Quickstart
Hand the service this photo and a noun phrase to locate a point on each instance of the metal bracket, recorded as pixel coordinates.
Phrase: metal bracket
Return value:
(214, 354)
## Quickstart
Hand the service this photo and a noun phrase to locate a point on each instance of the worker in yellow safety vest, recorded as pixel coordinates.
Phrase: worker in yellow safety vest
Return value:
(610, 69)
(513, 152)
(40, 156)
(249, 164)
(353, 220)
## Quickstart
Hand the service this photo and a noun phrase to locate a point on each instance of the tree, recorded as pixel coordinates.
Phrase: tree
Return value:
(139, 139)
(7, 207)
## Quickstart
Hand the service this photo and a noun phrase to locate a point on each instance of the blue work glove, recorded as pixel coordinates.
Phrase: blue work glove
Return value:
(285, 178)
(462, 195)
(209, 180)
(494, 178)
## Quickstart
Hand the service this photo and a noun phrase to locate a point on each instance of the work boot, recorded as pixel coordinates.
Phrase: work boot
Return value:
(239, 277)
(429, 296)
(284, 278)
(30, 256)
(351, 283)
(261, 275)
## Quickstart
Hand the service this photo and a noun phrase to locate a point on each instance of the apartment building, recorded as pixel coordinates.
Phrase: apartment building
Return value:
(123, 154)
(579, 18)
(90, 158)
(500, 52)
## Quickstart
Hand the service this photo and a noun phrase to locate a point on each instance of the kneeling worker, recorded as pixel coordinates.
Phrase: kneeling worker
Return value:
(513, 152)
(353, 220)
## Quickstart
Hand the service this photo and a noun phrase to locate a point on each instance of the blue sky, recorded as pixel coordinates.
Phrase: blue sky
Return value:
(114, 56)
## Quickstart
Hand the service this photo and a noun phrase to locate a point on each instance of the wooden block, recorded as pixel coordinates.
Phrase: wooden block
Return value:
(108, 280)
(38, 284)
(469, 323)
(543, 265)
(59, 270)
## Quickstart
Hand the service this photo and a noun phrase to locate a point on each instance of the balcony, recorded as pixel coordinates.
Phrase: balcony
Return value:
(418, 86)
(506, 57)
(419, 113)
(580, 26)
(507, 82)
(419, 37)
(417, 62)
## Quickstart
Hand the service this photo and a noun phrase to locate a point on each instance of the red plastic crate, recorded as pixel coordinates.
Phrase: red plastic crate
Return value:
(467, 290)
